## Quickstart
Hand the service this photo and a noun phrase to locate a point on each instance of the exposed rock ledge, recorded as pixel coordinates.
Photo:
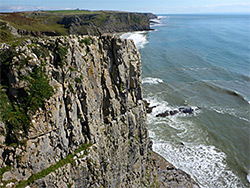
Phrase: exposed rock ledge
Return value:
(92, 132)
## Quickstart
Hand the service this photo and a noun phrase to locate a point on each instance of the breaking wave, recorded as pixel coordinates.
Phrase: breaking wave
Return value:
(227, 91)
(139, 38)
(206, 164)
(149, 80)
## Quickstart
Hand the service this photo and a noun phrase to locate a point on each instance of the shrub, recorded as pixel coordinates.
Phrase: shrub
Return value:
(40, 51)
(59, 52)
(78, 80)
(5, 105)
(86, 41)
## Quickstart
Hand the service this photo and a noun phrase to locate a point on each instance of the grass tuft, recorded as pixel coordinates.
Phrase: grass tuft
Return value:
(52, 168)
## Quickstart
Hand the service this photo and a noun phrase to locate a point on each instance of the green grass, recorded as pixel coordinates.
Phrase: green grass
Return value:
(59, 22)
(120, 88)
(5, 105)
(68, 12)
(25, 21)
(52, 168)
(5, 34)
(3, 170)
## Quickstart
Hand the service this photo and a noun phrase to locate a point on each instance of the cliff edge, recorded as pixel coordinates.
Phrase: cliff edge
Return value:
(17, 25)
(72, 115)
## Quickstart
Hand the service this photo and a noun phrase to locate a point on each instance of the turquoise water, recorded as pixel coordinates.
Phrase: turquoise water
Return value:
(200, 61)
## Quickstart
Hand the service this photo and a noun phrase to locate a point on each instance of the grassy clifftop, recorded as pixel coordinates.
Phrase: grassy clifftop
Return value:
(64, 22)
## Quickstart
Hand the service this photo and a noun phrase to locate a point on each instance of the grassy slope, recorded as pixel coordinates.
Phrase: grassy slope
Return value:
(58, 22)
(39, 21)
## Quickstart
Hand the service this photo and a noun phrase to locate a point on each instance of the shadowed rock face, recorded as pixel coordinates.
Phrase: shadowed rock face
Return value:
(92, 131)
(105, 23)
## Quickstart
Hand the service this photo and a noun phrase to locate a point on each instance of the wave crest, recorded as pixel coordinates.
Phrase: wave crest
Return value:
(227, 91)
(150, 80)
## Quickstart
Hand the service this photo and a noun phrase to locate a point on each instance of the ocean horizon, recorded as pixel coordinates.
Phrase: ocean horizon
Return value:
(200, 61)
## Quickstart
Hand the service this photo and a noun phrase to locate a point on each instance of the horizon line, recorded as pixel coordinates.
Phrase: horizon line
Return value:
(15, 11)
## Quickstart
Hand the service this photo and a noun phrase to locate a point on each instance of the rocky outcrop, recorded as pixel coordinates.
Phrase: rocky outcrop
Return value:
(96, 24)
(92, 131)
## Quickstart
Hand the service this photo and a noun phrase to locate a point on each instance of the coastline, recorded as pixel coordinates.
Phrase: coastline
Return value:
(202, 155)
(171, 176)
(167, 172)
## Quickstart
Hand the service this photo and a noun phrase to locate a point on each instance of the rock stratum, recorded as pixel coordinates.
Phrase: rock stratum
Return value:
(72, 115)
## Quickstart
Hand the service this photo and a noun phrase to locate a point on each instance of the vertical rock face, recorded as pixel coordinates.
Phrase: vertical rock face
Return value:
(92, 130)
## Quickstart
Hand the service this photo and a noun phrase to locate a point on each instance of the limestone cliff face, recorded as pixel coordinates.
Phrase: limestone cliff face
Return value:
(72, 115)
(97, 103)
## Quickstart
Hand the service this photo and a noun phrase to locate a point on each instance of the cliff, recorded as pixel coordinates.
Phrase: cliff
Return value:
(72, 115)
(65, 22)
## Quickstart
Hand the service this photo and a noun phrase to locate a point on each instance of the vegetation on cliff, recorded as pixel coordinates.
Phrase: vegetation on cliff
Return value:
(64, 22)
(16, 111)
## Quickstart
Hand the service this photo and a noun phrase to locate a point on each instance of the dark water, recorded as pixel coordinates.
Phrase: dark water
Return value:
(200, 61)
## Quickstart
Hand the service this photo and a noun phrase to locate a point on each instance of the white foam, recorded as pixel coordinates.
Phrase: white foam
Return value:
(155, 20)
(206, 164)
(139, 38)
(248, 177)
(230, 112)
(150, 80)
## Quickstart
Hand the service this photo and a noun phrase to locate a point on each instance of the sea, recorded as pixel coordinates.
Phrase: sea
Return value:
(200, 62)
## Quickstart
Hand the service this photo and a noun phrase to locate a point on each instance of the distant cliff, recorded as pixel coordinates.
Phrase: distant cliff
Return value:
(55, 23)
(72, 115)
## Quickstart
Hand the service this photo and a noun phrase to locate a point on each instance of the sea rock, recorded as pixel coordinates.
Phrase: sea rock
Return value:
(164, 114)
(149, 108)
(187, 110)
(173, 112)
(182, 110)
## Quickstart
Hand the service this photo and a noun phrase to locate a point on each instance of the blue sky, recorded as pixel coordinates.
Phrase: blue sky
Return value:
(155, 6)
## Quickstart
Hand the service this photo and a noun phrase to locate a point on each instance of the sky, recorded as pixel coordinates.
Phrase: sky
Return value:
(154, 6)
